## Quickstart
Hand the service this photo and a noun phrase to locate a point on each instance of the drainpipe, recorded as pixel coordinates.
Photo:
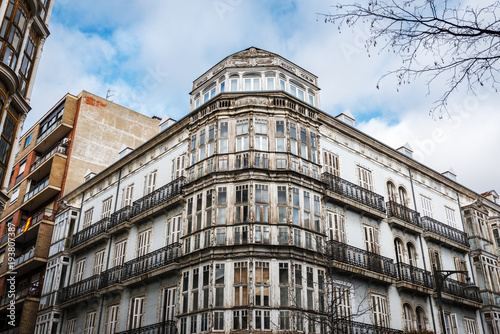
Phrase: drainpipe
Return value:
(109, 251)
(421, 246)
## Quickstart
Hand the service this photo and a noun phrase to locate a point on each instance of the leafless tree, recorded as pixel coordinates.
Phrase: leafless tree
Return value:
(435, 39)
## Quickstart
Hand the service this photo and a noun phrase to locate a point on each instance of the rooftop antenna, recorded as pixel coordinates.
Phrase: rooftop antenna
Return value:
(109, 94)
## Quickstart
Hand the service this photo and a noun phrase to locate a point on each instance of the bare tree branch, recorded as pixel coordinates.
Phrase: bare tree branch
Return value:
(462, 43)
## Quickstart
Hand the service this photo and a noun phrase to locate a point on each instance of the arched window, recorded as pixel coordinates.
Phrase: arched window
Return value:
(420, 318)
(398, 246)
(252, 81)
(391, 191)
(412, 254)
(270, 81)
(233, 82)
(403, 197)
(408, 317)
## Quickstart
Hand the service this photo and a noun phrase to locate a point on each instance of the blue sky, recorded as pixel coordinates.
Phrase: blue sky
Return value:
(97, 45)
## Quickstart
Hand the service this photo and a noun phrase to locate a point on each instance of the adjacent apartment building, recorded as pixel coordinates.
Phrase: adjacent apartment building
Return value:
(23, 32)
(79, 136)
(259, 212)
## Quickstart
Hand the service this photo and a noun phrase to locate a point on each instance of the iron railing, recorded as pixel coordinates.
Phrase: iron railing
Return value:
(81, 288)
(41, 185)
(90, 232)
(446, 231)
(354, 327)
(353, 191)
(57, 148)
(159, 196)
(47, 214)
(361, 258)
(414, 275)
(165, 327)
(25, 256)
(121, 216)
(402, 212)
(138, 266)
(456, 288)
(151, 261)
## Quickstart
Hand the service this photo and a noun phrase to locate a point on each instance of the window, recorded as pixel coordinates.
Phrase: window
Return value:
(460, 265)
(371, 239)
(261, 143)
(342, 301)
(233, 80)
(137, 306)
(262, 283)
(262, 320)
(270, 81)
(177, 167)
(143, 243)
(218, 320)
(204, 322)
(261, 201)
(262, 234)
(241, 198)
(391, 192)
(451, 323)
(149, 183)
(450, 217)
(240, 284)
(261, 160)
(241, 144)
(89, 323)
(297, 237)
(398, 245)
(403, 197)
(240, 234)
(260, 126)
(106, 208)
(421, 319)
(283, 283)
(223, 163)
(173, 230)
(127, 195)
(365, 178)
(80, 270)
(98, 262)
(221, 236)
(241, 161)
(240, 319)
(119, 255)
(284, 320)
(15, 195)
(112, 319)
(297, 90)
(379, 310)
(242, 127)
(293, 139)
(283, 235)
(87, 218)
(209, 93)
(280, 128)
(408, 318)
(426, 206)
(252, 82)
(470, 326)
(280, 161)
(219, 284)
(435, 258)
(71, 326)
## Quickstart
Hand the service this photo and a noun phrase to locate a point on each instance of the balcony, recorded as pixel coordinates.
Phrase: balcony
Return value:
(45, 189)
(413, 278)
(403, 217)
(453, 289)
(24, 290)
(358, 198)
(28, 255)
(445, 234)
(120, 218)
(81, 288)
(125, 273)
(52, 135)
(372, 265)
(43, 163)
(166, 327)
(45, 214)
(159, 196)
(90, 232)
(353, 327)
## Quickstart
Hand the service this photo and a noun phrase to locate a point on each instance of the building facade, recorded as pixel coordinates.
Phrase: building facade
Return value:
(258, 212)
(79, 136)
(23, 32)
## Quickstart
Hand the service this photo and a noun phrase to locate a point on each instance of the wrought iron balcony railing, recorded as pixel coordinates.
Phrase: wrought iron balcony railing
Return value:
(446, 231)
(456, 288)
(138, 266)
(353, 191)
(354, 327)
(414, 275)
(120, 216)
(159, 196)
(90, 232)
(81, 288)
(361, 258)
(165, 327)
(402, 212)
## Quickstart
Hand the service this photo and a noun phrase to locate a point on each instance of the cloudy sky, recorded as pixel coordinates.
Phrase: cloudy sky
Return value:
(149, 52)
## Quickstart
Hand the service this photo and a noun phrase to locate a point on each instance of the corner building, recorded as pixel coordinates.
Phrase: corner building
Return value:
(258, 212)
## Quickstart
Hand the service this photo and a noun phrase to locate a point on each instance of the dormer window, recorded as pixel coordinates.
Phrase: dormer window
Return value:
(233, 81)
(197, 101)
(270, 81)
(209, 93)
(297, 90)
(310, 96)
(252, 81)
